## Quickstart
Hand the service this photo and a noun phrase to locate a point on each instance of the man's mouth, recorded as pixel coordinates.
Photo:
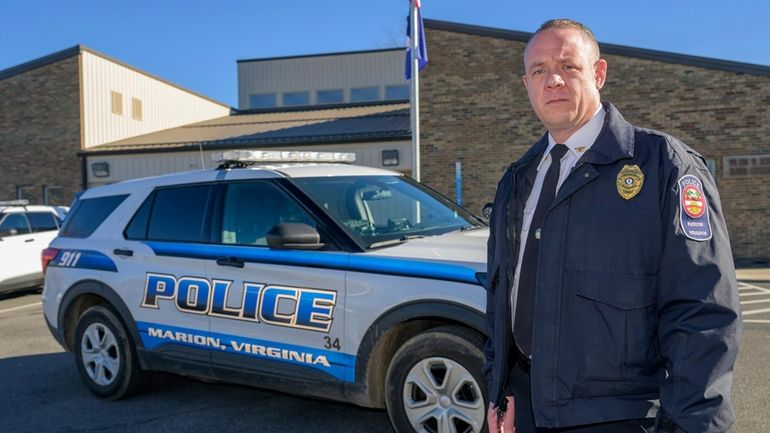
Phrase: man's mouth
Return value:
(556, 101)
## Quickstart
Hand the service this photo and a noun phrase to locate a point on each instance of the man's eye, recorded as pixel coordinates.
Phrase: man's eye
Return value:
(538, 72)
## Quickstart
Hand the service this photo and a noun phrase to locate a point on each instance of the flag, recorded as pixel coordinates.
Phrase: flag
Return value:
(422, 51)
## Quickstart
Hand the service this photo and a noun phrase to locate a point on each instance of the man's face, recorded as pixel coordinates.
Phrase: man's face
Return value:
(563, 77)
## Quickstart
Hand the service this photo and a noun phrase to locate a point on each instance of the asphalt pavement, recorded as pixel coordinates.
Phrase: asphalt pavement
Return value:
(42, 391)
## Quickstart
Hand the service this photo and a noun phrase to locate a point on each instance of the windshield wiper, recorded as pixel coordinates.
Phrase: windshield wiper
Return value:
(396, 241)
(471, 227)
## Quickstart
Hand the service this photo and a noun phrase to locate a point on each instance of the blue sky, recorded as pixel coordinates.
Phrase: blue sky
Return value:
(196, 43)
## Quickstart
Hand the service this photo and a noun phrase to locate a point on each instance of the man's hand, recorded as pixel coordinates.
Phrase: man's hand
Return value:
(501, 423)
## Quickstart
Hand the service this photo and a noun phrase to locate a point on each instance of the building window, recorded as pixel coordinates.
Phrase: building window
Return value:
(136, 109)
(329, 96)
(54, 196)
(747, 165)
(397, 92)
(363, 94)
(262, 100)
(117, 103)
(26, 192)
(296, 98)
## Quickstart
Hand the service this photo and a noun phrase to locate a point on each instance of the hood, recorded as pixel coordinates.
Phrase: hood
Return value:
(461, 247)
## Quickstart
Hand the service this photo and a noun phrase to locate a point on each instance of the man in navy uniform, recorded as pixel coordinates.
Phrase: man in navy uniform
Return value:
(612, 302)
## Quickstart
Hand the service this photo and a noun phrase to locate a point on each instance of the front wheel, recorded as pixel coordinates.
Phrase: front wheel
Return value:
(106, 356)
(435, 385)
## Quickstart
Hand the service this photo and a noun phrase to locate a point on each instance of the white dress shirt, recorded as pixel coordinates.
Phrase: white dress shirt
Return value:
(577, 143)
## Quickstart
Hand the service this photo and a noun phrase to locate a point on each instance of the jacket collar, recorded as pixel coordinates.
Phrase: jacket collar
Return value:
(615, 141)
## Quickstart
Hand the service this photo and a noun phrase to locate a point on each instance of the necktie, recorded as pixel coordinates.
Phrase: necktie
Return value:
(525, 301)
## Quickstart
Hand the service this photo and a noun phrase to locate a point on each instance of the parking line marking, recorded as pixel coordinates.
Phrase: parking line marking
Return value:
(7, 310)
(756, 321)
(743, 286)
(751, 312)
(759, 301)
(743, 295)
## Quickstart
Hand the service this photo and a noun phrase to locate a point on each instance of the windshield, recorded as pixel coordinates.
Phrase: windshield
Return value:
(384, 210)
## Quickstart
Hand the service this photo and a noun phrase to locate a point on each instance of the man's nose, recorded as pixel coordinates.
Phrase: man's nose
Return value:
(554, 80)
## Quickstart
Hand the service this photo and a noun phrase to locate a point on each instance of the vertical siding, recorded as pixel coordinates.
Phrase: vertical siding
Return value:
(339, 71)
(163, 105)
(125, 167)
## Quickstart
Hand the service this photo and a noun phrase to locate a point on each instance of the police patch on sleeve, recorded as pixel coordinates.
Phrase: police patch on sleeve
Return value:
(693, 209)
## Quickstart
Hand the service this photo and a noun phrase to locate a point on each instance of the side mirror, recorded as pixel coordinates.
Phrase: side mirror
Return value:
(294, 236)
(486, 211)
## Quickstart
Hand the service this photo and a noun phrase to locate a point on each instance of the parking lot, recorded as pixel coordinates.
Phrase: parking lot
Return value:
(42, 390)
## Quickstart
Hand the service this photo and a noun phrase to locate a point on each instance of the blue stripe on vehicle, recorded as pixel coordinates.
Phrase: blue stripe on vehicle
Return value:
(326, 260)
(88, 259)
(340, 365)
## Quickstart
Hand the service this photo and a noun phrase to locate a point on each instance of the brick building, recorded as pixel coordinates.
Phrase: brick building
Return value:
(55, 107)
(61, 114)
(474, 109)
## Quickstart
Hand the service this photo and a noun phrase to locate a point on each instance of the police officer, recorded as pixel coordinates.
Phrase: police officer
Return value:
(612, 302)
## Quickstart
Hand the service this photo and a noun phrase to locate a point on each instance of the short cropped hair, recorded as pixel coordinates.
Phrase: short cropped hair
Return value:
(566, 23)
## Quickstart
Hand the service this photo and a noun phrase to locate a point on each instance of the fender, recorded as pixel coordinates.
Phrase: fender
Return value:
(423, 309)
(97, 288)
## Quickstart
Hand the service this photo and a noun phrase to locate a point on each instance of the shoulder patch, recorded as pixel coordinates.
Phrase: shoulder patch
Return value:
(693, 209)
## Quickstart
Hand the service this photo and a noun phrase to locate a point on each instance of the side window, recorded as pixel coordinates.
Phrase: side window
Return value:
(251, 209)
(179, 214)
(137, 228)
(14, 224)
(42, 221)
(88, 214)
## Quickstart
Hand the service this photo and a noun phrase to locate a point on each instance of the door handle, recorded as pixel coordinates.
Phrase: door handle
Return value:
(120, 252)
(29, 240)
(234, 262)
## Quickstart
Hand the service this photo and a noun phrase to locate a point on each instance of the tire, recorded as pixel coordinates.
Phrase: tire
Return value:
(105, 355)
(434, 383)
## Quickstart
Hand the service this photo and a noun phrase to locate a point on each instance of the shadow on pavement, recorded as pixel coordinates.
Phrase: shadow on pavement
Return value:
(45, 393)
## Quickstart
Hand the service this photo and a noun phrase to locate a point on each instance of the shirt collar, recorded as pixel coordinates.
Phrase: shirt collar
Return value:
(582, 139)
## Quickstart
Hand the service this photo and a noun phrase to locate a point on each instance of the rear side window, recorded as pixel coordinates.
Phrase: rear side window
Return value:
(13, 224)
(43, 221)
(177, 214)
(88, 214)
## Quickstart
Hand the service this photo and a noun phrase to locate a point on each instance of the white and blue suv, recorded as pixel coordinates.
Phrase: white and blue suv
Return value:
(319, 278)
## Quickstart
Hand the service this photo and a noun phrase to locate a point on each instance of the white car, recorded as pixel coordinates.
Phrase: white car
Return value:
(319, 278)
(25, 231)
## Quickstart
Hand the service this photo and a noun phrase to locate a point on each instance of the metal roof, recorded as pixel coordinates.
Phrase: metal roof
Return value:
(337, 53)
(620, 50)
(380, 122)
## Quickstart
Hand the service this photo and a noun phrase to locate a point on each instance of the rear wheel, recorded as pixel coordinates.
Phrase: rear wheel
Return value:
(106, 356)
(435, 385)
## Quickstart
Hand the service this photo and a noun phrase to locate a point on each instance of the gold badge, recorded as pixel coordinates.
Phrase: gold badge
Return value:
(630, 181)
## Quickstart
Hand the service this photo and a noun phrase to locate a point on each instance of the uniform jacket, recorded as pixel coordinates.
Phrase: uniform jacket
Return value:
(632, 313)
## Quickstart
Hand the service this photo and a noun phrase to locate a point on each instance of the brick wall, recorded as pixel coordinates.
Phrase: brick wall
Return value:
(40, 131)
(474, 109)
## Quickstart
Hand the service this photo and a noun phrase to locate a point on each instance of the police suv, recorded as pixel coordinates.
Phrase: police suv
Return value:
(320, 278)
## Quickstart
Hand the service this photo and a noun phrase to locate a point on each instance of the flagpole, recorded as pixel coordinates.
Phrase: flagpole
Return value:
(414, 40)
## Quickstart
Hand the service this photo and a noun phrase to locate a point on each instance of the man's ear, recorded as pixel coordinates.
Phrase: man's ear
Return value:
(600, 73)
(524, 80)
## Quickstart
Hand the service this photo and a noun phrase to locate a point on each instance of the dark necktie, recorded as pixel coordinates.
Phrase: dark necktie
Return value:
(525, 301)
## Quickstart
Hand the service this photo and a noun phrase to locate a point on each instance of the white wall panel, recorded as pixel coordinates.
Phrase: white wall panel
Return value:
(163, 105)
(339, 71)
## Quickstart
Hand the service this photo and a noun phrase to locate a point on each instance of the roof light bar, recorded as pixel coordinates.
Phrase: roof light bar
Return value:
(21, 202)
(281, 156)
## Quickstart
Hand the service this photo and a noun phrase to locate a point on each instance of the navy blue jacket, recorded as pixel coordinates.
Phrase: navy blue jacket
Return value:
(636, 311)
